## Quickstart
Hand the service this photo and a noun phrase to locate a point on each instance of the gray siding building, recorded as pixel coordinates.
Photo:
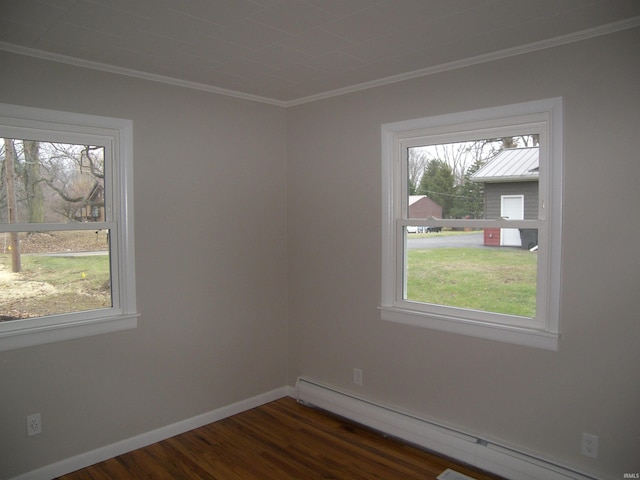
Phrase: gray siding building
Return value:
(510, 191)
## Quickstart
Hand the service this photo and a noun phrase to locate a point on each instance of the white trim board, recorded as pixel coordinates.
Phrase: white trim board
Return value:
(446, 441)
(130, 72)
(483, 58)
(465, 62)
(101, 454)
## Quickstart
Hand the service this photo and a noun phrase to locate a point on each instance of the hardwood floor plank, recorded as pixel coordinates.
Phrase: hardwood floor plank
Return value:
(278, 441)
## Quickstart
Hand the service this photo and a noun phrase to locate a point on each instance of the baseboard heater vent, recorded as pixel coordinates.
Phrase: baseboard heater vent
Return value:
(452, 443)
(449, 474)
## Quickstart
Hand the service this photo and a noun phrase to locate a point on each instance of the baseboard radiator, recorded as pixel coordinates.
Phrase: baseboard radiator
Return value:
(446, 441)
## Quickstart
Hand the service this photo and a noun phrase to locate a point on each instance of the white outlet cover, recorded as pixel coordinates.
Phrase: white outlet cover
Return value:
(589, 445)
(357, 376)
(34, 424)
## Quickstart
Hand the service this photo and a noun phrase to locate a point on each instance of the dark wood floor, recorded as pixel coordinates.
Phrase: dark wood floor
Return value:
(280, 440)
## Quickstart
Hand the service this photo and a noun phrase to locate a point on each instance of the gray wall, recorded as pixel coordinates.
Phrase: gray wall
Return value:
(210, 206)
(538, 401)
(268, 266)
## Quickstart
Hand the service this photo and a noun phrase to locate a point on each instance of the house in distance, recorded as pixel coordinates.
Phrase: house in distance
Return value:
(511, 191)
(421, 206)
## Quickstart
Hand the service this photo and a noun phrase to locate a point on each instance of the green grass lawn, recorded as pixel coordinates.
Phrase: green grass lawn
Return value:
(49, 285)
(501, 280)
(91, 272)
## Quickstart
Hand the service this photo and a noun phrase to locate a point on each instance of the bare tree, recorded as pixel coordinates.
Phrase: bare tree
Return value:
(32, 182)
(451, 187)
(9, 154)
(458, 156)
(51, 180)
(72, 173)
(418, 160)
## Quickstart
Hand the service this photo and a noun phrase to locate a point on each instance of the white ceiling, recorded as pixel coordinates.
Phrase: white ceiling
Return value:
(287, 51)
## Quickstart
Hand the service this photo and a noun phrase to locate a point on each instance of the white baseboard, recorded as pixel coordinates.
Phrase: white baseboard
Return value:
(109, 451)
(457, 445)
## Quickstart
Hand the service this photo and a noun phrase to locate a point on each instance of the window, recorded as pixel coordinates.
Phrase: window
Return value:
(471, 221)
(66, 226)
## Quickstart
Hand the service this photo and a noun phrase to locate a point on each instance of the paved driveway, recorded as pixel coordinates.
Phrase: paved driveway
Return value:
(469, 240)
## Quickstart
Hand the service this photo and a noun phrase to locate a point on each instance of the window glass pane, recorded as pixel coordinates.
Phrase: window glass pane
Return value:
(488, 178)
(457, 268)
(499, 278)
(49, 273)
(51, 182)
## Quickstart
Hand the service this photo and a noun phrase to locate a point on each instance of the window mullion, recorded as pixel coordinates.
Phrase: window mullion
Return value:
(55, 227)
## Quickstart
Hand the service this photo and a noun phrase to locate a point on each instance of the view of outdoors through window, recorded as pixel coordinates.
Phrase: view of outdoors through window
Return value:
(478, 267)
(54, 240)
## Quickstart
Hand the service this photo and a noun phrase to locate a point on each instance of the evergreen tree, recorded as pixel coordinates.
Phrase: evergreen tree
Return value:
(437, 183)
(469, 201)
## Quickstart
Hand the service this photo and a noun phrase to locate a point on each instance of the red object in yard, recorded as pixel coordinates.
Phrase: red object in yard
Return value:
(492, 237)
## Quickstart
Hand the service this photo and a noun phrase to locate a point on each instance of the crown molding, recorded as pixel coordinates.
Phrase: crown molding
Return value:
(129, 72)
(457, 64)
(484, 58)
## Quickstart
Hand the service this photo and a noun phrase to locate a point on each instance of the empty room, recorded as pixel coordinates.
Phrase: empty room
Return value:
(420, 216)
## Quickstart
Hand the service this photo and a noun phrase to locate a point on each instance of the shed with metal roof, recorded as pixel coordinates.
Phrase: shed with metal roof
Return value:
(510, 191)
(510, 165)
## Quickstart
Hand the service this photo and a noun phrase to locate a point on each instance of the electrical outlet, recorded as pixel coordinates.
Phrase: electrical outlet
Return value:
(357, 376)
(589, 445)
(34, 424)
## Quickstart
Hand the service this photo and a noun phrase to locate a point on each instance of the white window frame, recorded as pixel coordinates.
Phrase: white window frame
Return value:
(544, 117)
(116, 135)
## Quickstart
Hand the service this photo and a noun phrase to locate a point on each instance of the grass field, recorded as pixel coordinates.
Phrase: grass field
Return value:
(49, 285)
(52, 285)
(501, 280)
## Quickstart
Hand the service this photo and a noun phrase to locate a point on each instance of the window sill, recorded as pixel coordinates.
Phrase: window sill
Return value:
(31, 332)
(502, 333)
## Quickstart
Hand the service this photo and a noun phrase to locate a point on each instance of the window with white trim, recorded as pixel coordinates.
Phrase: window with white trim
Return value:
(471, 222)
(66, 226)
